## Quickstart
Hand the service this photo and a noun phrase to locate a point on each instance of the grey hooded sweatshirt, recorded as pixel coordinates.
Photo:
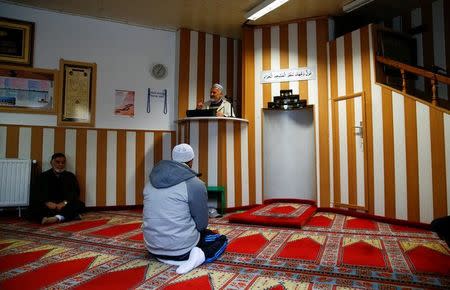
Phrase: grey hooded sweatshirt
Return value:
(175, 209)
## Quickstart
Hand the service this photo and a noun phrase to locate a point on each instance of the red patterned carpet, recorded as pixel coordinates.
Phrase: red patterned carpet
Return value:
(105, 251)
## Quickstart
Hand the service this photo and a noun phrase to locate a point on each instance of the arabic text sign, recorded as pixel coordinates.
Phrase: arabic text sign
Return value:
(288, 75)
(154, 93)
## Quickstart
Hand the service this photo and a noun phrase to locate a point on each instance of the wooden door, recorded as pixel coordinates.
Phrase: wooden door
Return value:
(349, 154)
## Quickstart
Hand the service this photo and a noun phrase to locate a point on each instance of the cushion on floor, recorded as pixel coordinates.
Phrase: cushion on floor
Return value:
(278, 212)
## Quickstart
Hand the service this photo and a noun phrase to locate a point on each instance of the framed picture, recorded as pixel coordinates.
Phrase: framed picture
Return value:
(124, 103)
(16, 42)
(28, 90)
(78, 87)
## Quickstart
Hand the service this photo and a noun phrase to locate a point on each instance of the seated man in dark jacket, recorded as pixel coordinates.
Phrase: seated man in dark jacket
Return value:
(442, 227)
(55, 195)
(176, 214)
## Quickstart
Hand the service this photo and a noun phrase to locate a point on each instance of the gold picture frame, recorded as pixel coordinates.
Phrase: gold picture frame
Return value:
(16, 42)
(78, 88)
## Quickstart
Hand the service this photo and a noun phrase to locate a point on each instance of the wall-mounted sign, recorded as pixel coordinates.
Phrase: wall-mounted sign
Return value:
(153, 93)
(288, 75)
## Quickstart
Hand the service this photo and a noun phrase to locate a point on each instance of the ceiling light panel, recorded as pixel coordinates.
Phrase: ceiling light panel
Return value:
(264, 8)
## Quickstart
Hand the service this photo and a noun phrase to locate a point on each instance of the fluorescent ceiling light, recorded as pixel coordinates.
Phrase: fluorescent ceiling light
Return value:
(355, 4)
(264, 8)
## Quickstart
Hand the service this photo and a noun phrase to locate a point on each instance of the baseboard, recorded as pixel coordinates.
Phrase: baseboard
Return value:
(394, 221)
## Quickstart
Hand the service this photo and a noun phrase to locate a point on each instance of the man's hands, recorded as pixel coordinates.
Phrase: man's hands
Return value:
(57, 206)
(60, 205)
(50, 205)
(200, 106)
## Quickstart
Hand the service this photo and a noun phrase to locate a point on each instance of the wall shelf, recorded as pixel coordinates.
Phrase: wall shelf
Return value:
(288, 110)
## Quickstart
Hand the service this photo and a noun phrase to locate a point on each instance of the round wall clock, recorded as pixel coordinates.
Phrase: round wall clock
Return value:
(159, 71)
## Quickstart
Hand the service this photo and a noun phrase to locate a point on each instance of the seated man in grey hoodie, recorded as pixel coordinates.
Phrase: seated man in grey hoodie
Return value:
(175, 214)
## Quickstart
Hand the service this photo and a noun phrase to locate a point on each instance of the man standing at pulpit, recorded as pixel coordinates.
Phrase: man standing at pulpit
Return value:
(217, 101)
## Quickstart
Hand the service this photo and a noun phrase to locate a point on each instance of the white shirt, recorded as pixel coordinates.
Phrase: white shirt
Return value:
(225, 108)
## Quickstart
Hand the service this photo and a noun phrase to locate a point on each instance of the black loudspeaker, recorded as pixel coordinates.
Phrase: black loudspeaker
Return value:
(286, 101)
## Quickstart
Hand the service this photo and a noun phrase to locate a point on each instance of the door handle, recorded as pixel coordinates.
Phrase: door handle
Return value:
(360, 129)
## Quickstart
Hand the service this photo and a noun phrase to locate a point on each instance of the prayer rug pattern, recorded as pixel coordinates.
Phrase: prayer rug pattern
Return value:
(272, 213)
(321, 256)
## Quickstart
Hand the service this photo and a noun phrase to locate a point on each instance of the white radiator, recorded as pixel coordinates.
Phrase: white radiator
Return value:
(15, 176)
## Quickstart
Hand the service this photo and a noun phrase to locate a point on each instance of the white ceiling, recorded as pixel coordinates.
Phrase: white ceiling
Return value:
(222, 17)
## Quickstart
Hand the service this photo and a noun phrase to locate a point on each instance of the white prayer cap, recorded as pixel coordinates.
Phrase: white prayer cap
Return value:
(182, 153)
(218, 86)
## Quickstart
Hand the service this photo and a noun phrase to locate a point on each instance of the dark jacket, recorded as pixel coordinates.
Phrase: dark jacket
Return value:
(55, 188)
(50, 187)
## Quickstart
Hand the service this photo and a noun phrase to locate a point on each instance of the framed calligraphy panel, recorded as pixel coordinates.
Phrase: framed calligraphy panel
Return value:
(77, 106)
(16, 42)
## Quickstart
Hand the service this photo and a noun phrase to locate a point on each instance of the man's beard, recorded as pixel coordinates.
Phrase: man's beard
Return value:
(58, 170)
(214, 101)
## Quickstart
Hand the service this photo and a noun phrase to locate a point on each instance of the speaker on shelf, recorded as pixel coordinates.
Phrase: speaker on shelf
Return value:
(286, 101)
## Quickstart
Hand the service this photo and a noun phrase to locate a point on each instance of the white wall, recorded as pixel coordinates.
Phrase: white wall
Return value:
(123, 53)
(289, 154)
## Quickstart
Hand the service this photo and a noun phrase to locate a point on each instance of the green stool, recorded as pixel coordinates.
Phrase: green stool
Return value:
(218, 191)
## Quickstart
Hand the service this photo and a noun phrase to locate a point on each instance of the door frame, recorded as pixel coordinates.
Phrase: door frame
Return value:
(335, 136)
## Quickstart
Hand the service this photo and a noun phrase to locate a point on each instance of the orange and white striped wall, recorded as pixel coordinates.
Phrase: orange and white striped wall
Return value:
(202, 58)
(407, 141)
(221, 145)
(406, 144)
(289, 45)
(402, 173)
(221, 149)
(205, 59)
(112, 165)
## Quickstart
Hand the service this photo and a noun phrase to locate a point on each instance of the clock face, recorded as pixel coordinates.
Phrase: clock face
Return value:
(159, 71)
